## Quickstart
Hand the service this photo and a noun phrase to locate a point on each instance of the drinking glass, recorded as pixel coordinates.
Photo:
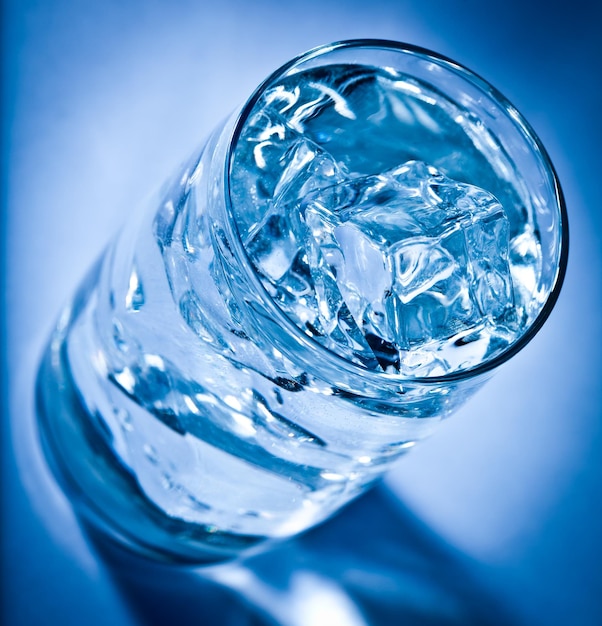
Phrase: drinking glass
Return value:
(187, 413)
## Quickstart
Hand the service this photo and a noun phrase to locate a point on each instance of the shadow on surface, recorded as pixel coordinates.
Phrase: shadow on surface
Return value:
(171, 595)
(374, 564)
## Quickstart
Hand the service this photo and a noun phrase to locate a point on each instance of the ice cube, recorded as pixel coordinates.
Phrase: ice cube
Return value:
(420, 260)
(277, 243)
(275, 239)
(273, 161)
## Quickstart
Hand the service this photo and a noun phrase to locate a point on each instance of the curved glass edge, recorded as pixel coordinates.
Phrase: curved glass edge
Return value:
(394, 381)
(103, 493)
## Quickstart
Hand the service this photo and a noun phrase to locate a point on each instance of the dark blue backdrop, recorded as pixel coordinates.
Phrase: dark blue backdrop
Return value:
(495, 520)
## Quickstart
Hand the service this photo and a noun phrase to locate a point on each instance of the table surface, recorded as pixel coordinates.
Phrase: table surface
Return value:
(494, 520)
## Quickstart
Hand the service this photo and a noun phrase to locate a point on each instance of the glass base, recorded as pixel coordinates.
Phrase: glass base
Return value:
(101, 490)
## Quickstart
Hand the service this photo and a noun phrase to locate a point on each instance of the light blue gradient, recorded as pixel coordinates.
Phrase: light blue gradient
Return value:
(103, 100)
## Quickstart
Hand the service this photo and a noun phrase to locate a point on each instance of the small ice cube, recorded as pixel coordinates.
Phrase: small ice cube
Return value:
(308, 168)
(277, 245)
(274, 240)
(274, 161)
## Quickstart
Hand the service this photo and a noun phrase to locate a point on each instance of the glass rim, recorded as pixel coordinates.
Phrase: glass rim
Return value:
(352, 369)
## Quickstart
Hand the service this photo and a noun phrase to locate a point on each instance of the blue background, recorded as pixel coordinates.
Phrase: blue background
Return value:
(497, 519)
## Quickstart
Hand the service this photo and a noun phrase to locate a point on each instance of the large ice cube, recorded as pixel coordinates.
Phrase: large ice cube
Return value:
(420, 261)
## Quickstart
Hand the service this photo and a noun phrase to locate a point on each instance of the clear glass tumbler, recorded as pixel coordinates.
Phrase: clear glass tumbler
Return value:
(188, 413)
